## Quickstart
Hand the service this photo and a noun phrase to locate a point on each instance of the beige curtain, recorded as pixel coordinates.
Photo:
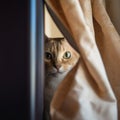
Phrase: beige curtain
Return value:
(91, 91)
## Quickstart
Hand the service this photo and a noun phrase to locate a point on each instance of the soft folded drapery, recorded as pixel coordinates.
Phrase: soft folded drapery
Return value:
(91, 91)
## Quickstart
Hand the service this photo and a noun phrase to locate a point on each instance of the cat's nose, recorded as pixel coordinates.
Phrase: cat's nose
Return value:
(57, 66)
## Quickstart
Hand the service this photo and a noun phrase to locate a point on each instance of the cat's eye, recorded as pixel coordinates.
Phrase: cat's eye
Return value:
(67, 55)
(48, 55)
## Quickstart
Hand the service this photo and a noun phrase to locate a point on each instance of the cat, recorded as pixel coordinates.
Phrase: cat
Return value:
(59, 59)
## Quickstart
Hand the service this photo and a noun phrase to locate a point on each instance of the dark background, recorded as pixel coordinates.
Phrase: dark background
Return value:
(14, 60)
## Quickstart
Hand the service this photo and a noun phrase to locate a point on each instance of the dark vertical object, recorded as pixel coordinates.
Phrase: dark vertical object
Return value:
(14, 57)
(36, 59)
(39, 59)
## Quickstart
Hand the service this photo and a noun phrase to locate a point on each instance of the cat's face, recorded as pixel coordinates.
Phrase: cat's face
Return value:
(60, 57)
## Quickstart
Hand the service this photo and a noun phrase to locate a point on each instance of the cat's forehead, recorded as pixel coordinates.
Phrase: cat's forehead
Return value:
(55, 42)
(55, 45)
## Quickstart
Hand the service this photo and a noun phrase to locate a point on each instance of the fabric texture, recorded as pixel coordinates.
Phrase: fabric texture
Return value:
(91, 91)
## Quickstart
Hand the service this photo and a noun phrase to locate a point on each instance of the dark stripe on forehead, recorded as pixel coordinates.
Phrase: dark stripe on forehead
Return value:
(56, 47)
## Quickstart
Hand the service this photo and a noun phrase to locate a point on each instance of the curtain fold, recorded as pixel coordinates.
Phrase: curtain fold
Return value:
(91, 90)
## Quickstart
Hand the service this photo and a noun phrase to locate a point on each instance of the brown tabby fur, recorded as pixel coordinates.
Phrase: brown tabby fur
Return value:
(53, 75)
